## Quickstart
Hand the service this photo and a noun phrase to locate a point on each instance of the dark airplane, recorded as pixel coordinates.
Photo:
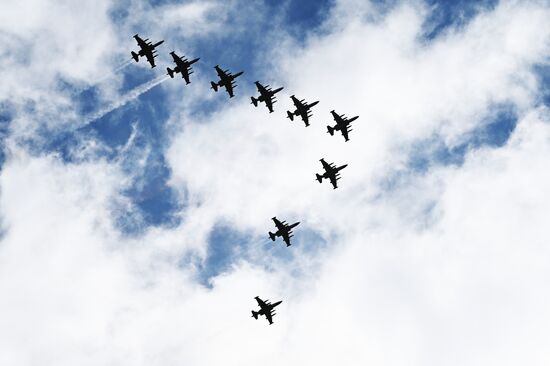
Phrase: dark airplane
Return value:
(342, 124)
(226, 80)
(266, 95)
(302, 110)
(147, 50)
(183, 66)
(331, 172)
(284, 230)
(265, 309)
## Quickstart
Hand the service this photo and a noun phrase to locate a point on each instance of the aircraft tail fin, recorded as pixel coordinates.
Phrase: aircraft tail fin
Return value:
(135, 56)
(170, 72)
(330, 130)
(254, 101)
(319, 178)
(254, 314)
(290, 115)
(272, 236)
(214, 86)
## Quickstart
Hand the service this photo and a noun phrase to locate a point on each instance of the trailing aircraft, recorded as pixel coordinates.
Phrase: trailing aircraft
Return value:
(331, 173)
(226, 80)
(302, 109)
(342, 124)
(183, 66)
(266, 95)
(147, 49)
(266, 309)
(284, 230)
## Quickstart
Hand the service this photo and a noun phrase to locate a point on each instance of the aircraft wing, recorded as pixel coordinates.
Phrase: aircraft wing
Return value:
(141, 43)
(280, 225)
(337, 117)
(326, 165)
(261, 88)
(221, 73)
(176, 58)
(296, 102)
(229, 89)
(286, 237)
(304, 114)
(269, 317)
(150, 57)
(269, 104)
(333, 181)
(261, 303)
(185, 74)
(345, 132)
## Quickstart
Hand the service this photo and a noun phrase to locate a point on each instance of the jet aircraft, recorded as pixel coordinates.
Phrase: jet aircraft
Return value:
(183, 66)
(226, 80)
(266, 95)
(283, 229)
(147, 49)
(266, 309)
(302, 109)
(331, 172)
(342, 124)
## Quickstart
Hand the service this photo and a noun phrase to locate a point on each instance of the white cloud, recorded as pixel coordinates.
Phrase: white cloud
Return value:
(446, 268)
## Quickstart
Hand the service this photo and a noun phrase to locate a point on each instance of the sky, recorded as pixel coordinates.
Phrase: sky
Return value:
(135, 209)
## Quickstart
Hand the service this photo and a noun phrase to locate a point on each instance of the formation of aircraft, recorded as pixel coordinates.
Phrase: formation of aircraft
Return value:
(342, 124)
(147, 49)
(284, 230)
(302, 109)
(226, 80)
(183, 66)
(331, 173)
(266, 95)
(266, 309)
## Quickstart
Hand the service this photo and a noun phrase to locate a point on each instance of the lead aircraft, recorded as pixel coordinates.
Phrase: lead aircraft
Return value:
(147, 49)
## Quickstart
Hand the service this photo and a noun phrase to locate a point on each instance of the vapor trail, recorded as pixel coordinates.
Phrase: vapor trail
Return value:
(133, 94)
(106, 76)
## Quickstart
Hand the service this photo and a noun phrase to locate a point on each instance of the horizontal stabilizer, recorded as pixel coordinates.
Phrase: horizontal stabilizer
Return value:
(272, 236)
(254, 314)
(290, 115)
(330, 130)
(319, 178)
(254, 101)
(214, 86)
(170, 72)
(135, 56)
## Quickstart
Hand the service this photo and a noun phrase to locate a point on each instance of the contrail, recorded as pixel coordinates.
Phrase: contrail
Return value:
(133, 94)
(106, 76)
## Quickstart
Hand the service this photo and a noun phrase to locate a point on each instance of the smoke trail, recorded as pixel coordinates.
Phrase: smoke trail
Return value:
(133, 94)
(107, 75)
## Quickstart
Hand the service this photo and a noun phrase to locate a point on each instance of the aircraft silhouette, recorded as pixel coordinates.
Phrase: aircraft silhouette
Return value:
(331, 172)
(266, 95)
(283, 229)
(342, 124)
(226, 80)
(147, 49)
(183, 66)
(266, 309)
(302, 109)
